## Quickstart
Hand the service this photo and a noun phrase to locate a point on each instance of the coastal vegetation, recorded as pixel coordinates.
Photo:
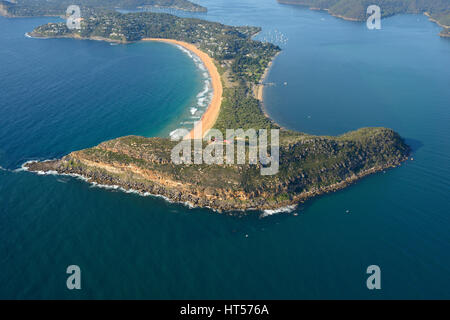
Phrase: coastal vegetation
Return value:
(309, 165)
(437, 10)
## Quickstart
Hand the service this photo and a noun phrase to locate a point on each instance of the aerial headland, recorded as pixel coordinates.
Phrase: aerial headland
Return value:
(309, 165)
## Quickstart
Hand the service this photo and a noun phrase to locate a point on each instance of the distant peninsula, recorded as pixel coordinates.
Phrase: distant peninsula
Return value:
(35, 8)
(355, 10)
(309, 165)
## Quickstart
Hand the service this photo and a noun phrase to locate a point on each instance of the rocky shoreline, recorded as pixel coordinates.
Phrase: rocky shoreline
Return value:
(444, 33)
(123, 164)
(191, 200)
(76, 37)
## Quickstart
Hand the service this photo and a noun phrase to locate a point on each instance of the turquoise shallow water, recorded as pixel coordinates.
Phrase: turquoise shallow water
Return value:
(63, 95)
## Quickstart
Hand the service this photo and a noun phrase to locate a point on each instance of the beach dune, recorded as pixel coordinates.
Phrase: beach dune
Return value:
(212, 112)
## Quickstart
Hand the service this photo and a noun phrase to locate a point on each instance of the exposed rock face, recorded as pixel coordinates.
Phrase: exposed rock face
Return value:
(309, 166)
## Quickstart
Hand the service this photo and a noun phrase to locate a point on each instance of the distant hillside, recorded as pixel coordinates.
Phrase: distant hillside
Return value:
(30, 8)
(437, 10)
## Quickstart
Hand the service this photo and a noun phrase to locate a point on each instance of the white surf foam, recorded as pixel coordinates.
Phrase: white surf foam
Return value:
(177, 134)
(50, 172)
(137, 192)
(206, 89)
(189, 53)
(24, 168)
(97, 185)
(201, 102)
(205, 96)
(286, 209)
(133, 191)
(47, 173)
(198, 62)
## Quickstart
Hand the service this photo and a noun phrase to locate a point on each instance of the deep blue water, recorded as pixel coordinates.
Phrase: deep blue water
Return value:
(64, 95)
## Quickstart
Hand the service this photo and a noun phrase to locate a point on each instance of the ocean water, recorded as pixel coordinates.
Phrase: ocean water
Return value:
(64, 95)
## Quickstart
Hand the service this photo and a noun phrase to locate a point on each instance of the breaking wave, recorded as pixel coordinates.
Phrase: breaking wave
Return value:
(287, 209)
(204, 97)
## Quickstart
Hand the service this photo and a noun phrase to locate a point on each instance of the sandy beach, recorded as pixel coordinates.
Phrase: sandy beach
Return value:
(212, 112)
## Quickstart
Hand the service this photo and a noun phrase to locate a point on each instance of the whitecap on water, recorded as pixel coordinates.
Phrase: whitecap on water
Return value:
(193, 110)
(286, 209)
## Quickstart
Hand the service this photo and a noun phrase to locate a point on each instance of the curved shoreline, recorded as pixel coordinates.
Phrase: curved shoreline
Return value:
(211, 114)
(259, 93)
(306, 5)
